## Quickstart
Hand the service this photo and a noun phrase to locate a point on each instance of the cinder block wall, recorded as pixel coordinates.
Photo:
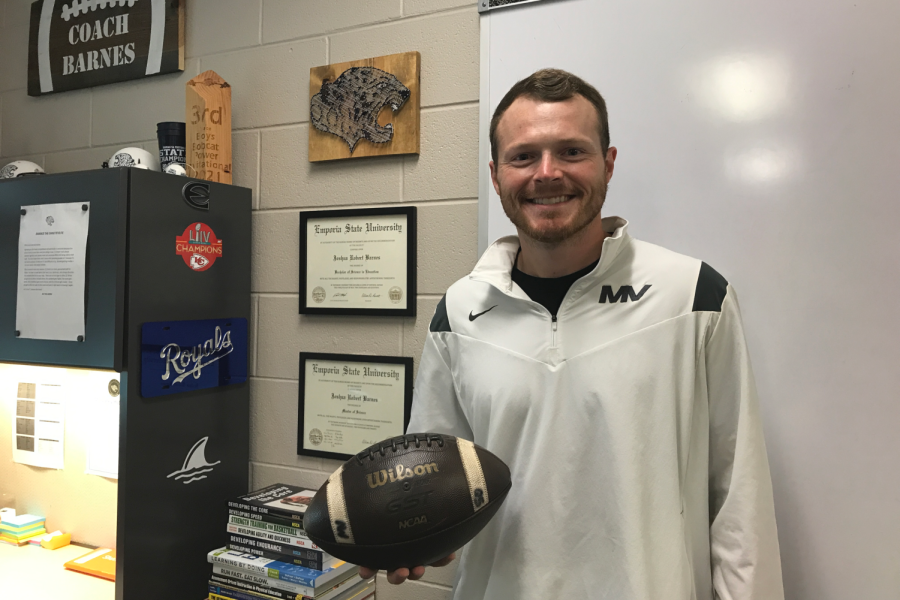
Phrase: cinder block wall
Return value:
(264, 49)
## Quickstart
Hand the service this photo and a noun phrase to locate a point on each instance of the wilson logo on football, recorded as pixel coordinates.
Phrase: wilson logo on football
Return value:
(198, 246)
(399, 473)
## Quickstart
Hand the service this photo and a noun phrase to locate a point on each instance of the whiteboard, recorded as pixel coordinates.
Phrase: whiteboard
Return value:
(763, 138)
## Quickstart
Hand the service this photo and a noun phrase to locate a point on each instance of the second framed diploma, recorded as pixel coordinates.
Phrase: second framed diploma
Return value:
(358, 262)
(349, 402)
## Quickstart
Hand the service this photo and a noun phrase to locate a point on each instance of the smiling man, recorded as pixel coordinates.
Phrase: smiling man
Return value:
(610, 374)
(552, 176)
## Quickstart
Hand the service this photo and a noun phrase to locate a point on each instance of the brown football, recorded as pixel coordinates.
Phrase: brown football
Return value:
(407, 501)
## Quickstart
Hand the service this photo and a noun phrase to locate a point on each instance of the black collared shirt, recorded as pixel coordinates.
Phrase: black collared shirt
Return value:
(548, 291)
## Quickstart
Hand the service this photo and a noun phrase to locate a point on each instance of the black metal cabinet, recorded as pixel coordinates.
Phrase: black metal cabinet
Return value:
(105, 284)
(135, 276)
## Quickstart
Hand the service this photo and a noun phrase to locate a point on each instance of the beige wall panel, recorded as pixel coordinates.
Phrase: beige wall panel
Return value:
(448, 44)
(37, 125)
(14, 47)
(72, 501)
(16, 12)
(245, 161)
(420, 7)
(283, 334)
(263, 475)
(409, 590)
(218, 25)
(289, 180)
(416, 329)
(330, 465)
(275, 262)
(448, 164)
(253, 326)
(8, 468)
(38, 159)
(270, 85)
(83, 160)
(130, 110)
(448, 247)
(289, 19)
(90, 158)
(273, 425)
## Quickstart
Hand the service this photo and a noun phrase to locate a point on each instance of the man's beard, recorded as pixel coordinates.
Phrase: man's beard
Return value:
(552, 234)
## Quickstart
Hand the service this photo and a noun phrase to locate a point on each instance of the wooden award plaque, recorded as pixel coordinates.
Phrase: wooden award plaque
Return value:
(208, 128)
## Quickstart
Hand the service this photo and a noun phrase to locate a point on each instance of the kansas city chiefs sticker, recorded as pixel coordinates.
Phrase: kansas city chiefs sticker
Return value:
(198, 246)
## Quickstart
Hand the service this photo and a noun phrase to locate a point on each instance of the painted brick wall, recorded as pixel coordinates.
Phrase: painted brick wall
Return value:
(265, 49)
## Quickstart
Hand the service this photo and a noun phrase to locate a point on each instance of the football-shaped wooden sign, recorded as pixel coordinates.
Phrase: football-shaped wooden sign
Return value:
(76, 44)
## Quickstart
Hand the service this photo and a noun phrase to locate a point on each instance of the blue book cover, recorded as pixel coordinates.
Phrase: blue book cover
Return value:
(234, 593)
(276, 569)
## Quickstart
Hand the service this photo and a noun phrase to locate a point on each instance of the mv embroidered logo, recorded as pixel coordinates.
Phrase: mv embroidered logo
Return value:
(624, 294)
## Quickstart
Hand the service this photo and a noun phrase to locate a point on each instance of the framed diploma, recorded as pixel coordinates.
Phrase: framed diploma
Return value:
(358, 262)
(349, 402)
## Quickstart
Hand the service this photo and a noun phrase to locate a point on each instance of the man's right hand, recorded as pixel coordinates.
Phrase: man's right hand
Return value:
(398, 576)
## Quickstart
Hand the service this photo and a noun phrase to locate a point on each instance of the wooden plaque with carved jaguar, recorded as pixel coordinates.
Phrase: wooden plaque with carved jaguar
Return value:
(364, 108)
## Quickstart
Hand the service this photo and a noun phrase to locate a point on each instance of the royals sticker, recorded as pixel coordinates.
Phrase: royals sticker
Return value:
(184, 356)
(198, 246)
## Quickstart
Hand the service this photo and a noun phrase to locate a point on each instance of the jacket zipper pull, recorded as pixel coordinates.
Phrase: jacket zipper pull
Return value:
(553, 325)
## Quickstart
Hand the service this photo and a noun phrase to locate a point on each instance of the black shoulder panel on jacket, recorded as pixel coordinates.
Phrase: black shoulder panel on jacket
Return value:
(711, 290)
(440, 321)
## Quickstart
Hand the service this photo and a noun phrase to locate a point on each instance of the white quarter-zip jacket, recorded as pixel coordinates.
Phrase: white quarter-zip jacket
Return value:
(630, 423)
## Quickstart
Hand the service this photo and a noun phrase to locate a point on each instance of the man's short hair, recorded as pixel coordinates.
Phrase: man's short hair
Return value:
(552, 85)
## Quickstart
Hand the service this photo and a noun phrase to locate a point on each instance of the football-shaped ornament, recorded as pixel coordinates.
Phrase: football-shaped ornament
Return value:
(407, 501)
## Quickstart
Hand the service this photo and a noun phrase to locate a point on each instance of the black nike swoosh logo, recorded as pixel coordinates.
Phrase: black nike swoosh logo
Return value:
(473, 317)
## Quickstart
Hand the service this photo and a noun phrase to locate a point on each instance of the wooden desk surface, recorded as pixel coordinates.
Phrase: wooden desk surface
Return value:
(36, 573)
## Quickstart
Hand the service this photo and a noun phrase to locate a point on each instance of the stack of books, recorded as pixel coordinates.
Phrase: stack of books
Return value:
(263, 579)
(269, 556)
(20, 529)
